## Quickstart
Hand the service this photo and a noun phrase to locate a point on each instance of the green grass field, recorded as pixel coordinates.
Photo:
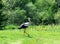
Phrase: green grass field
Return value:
(40, 35)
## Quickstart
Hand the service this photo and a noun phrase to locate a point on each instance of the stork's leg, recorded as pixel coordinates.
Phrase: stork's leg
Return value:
(26, 33)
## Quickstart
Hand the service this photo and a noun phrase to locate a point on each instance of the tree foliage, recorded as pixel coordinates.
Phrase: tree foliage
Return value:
(3, 17)
(40, 11)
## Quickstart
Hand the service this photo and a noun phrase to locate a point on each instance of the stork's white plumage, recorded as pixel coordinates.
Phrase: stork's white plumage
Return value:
(26, 24)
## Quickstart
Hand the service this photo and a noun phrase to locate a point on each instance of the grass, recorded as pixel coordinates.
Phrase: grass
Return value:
(40, 35)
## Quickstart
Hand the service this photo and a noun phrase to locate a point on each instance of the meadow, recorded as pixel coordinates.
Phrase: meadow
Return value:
(49, 34)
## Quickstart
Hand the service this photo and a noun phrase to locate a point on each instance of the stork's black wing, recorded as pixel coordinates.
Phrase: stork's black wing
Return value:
(20, 26)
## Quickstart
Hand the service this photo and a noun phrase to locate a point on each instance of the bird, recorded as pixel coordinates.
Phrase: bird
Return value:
(25, 25)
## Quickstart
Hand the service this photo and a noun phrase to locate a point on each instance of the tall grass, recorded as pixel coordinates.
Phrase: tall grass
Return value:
(40, 35)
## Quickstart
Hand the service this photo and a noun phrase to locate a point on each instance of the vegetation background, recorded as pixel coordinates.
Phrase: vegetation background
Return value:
(40, 11)
(45, 17)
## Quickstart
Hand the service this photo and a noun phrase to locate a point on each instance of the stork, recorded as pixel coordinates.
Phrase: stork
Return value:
(25, 25)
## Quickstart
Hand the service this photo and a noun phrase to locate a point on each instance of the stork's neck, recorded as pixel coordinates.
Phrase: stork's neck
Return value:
(29, 20)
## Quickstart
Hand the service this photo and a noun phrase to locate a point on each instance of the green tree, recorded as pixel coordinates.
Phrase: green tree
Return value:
(17, 17)
(2, 17)
(57, 17)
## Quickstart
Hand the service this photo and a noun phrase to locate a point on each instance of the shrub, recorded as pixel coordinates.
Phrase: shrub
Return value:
(57, 17)
(8, 27)
(17, 17)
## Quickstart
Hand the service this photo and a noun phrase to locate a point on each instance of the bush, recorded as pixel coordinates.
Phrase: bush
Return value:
(3, 18)
(9, 27)
(57, 17)
(46, 18)
(17, 17)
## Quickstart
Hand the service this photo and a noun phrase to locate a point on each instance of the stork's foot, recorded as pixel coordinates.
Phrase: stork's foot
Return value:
(29, 36)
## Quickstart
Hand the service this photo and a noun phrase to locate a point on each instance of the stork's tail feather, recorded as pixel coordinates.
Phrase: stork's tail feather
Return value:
(19, 28)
